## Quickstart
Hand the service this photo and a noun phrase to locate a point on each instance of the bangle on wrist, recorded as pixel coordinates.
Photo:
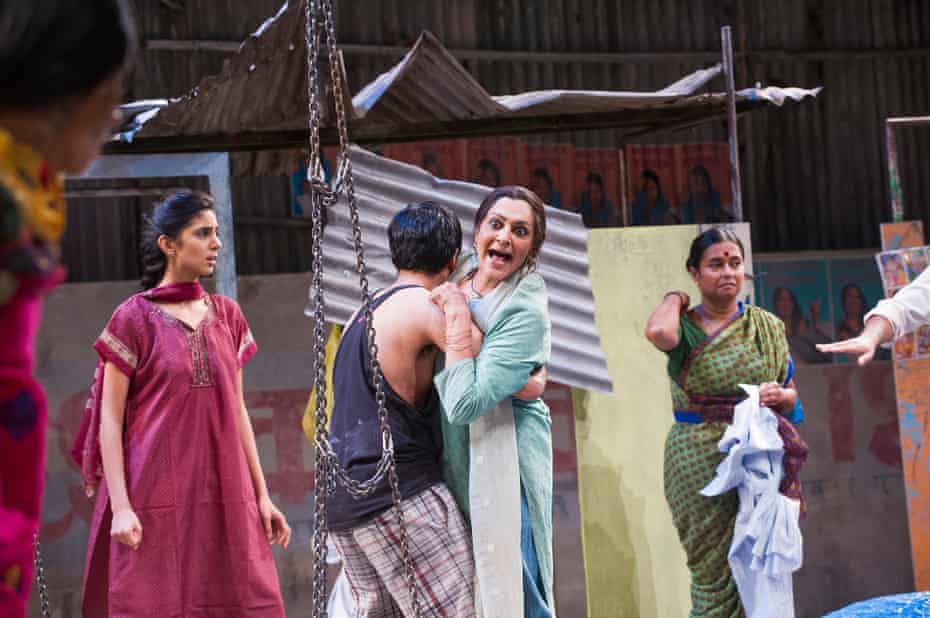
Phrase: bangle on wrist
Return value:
(682, 297)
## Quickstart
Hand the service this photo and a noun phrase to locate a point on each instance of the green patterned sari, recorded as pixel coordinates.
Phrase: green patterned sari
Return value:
(705, 372)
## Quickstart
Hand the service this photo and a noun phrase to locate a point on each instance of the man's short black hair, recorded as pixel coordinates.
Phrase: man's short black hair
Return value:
(424, 237)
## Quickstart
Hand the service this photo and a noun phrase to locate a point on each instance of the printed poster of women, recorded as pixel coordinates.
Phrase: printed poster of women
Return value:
(706, 193)
(855, 288)
(897, 269)
(915, 260)
(550, 172)
(796, 291)
(679, 184)
(495, 161)
(446, 159)
(894, 270)
(652, 181)
(597, 186)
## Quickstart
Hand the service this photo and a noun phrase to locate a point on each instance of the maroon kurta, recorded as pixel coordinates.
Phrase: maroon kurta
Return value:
(203, 552)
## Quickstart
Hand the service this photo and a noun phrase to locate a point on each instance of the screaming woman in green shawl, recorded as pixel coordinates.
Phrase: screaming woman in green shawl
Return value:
(497, 448)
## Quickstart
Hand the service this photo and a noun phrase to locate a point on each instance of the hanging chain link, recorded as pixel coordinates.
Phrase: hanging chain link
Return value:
(41, 584)
(320, 21)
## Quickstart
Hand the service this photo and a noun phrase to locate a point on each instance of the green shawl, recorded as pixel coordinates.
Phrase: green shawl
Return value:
(517, 340)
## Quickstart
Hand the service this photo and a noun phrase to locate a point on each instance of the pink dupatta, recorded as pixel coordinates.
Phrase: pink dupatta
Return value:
(86, 448)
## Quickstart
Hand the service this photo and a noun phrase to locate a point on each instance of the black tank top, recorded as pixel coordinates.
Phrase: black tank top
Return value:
(356, 435)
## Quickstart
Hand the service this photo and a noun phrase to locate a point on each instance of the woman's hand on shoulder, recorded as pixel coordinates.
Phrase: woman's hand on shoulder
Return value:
(449, 298)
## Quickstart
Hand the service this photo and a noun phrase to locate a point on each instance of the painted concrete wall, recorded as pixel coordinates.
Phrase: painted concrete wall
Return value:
(276, 383)
(855, 535)
(634, 563)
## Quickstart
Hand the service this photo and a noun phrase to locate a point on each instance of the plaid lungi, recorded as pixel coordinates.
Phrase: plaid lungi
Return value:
(440, 548)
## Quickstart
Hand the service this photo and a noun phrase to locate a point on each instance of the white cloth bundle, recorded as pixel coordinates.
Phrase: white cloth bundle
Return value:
(767, 545)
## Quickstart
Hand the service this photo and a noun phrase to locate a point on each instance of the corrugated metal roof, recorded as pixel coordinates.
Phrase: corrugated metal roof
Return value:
(260, 96)
(383, 187)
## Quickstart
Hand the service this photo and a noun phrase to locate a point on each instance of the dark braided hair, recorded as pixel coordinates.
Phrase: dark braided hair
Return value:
(168, 218)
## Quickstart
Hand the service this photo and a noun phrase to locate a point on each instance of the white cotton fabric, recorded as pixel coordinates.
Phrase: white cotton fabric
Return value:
(767, 544)
(341, 603)
(494, 492)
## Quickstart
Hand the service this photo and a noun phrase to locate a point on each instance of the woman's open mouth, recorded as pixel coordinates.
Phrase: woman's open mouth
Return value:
(499, 258)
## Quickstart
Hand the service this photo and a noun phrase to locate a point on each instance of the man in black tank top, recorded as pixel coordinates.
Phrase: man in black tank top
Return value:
(425, 240)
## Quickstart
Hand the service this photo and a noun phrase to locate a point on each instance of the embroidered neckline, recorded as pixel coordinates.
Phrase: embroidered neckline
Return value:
(211, 312)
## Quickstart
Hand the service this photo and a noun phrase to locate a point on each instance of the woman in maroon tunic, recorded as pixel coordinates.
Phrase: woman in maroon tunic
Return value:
(183, 495)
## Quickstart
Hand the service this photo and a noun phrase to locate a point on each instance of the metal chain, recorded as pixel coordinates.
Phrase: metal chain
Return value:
(328, 469)
(41, 584)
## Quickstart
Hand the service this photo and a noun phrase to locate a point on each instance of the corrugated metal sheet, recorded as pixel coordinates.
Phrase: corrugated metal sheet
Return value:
(872, 56)
(428, 94)
(383, 187)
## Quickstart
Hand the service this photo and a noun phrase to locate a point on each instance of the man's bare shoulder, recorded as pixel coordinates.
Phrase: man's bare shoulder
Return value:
(412, 303)
(413, 310)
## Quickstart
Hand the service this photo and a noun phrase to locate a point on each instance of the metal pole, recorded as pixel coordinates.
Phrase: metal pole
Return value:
(908, 121)
(894, 179)
(732, 130)
(624, 187)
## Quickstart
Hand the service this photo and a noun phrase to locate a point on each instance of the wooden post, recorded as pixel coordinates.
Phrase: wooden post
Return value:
(732, 130)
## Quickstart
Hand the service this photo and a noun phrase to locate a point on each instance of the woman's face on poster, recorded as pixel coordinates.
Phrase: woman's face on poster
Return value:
(698, 184)
(540, 187)
(892, 268)
(853, 303)
(784, 304)
(596, 192)
(650, 189)
(918, 262)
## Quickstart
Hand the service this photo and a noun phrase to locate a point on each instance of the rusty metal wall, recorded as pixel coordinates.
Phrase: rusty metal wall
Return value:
(814, 175)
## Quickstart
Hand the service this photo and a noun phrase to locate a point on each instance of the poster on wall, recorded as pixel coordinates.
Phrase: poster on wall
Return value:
(900, 267)
(796, 290)
(597, 186)
(550, 173)
(855, 288)
(902, 235)
(441, 158)
(652, 183)
(679, 184)
(495, 161)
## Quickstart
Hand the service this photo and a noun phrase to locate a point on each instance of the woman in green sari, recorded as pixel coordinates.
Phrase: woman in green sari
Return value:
(712, 348)
(497, 447)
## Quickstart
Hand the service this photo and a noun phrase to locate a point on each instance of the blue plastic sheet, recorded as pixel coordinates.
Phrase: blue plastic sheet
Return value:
(915, 604)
